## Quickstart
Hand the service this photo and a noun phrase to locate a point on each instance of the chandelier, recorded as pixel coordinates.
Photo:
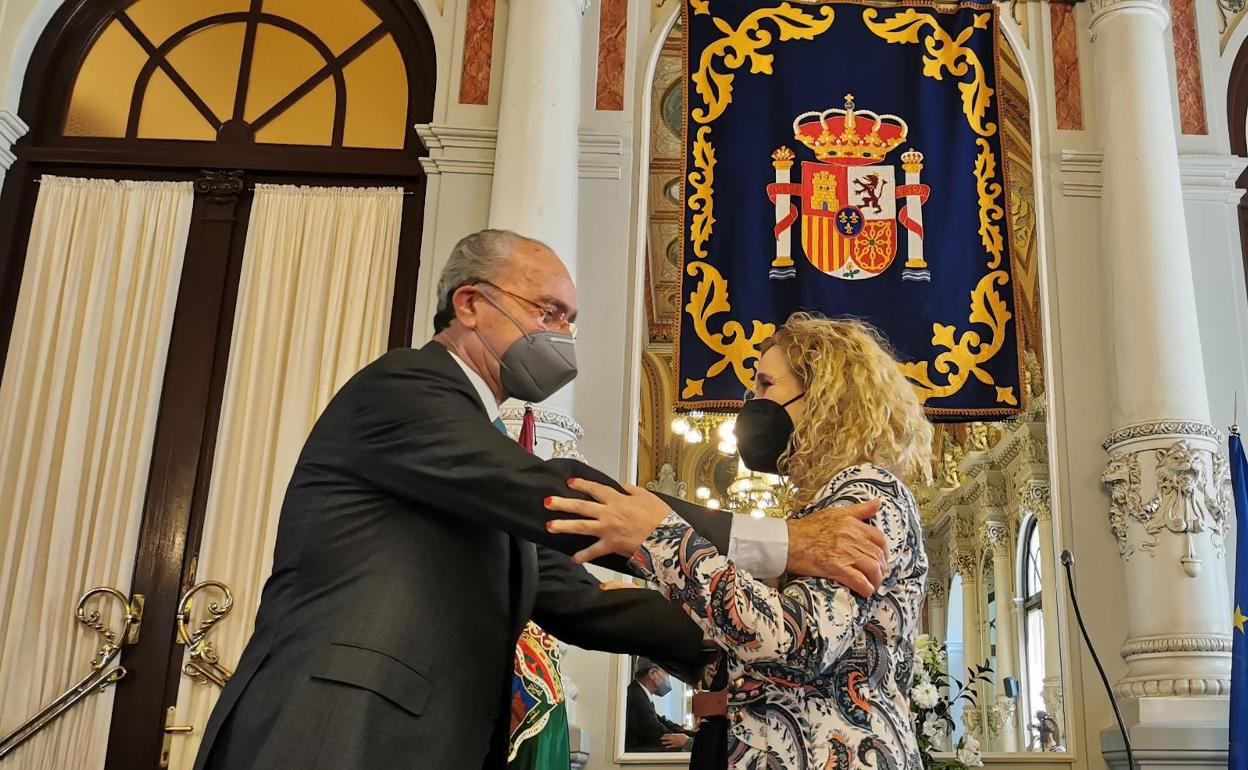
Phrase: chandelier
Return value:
(697, 427)
(756, 494)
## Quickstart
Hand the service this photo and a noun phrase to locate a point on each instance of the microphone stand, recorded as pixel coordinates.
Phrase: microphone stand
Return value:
(1068, 560)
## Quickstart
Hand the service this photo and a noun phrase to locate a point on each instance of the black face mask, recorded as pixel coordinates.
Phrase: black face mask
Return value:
(763, 432)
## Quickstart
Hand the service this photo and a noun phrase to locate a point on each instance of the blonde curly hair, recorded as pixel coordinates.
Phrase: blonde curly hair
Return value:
(859, 407)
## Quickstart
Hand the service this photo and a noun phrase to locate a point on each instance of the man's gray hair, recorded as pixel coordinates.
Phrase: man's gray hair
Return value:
(481, 256)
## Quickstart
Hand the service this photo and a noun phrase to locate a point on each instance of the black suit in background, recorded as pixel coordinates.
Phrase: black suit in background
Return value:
(404, 570)
(643, 726)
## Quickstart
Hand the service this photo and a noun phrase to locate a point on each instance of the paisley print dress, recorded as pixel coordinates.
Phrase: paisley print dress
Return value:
(819, 677)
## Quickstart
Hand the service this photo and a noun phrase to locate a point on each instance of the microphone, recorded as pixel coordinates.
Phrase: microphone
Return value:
(1068, 561)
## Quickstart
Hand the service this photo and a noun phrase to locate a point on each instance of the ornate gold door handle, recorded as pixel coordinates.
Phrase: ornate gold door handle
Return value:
(203, 663)
(102, 672)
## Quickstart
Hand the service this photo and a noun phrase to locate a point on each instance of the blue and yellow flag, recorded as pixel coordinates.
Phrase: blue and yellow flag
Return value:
(1239, 651)
(846, 157)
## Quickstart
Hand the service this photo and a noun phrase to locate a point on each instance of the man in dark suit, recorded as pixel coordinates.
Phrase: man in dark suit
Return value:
(413, 546)
(644, 728)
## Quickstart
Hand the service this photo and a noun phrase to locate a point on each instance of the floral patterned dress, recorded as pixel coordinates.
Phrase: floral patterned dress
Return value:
(819, 677)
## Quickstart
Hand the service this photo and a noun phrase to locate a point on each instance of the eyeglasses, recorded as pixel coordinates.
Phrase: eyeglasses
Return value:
(548, 315)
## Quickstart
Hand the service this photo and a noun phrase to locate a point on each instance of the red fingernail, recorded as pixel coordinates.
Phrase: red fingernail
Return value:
(571, 482)
(550, 526)
(546, 502)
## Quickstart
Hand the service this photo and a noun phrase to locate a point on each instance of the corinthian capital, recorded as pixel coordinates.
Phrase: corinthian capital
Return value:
(1035, 499)
(964, 561)
(997, 536)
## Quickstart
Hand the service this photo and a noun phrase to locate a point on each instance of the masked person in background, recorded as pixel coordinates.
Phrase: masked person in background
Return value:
(644, 728)
(412, 547)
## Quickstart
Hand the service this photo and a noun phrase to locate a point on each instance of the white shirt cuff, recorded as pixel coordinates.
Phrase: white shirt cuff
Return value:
(759, 546)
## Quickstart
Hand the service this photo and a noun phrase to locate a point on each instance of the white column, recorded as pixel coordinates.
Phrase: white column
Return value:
(966, 563)
(535, 164)
(998, 536)
(1162, 475)
(1035, 500)
(937, 604)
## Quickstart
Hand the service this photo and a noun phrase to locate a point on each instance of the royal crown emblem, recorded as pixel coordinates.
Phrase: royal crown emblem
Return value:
(849, 135)
(850, 197)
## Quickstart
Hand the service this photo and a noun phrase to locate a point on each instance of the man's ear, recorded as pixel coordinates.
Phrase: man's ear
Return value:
(463, 301)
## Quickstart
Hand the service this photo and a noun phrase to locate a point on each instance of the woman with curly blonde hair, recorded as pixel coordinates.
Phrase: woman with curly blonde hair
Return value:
(819, 677)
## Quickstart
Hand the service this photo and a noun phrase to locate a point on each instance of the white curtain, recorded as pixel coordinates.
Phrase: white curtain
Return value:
(78, 404)
(313, 308)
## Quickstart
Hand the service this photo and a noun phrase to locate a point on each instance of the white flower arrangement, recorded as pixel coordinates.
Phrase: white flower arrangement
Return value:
(931, 705)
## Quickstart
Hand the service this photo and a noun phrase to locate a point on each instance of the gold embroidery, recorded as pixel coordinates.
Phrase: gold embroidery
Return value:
(709, 299)
(990, 212)
(702, 201)
(945, 53)
(745, 43)
(963, 356)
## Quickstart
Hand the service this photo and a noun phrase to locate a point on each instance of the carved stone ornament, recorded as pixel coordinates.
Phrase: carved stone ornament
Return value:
(544, 416)
(1162, 428)
(1187, 503)
(997, 536)
(965, 562)
(972, 720)
(1193, 492)
(1122, 476)
(937, 593)
(950, 476)
(977, 434)
(1051, 694)
(568, 450)
(667, 482)
(1035, 499)
(220, 187)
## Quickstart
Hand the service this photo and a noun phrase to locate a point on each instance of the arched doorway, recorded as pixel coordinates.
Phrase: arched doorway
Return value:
(227, 95)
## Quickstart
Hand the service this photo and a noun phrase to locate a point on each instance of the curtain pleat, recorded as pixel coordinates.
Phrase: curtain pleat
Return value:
(313, 308)
(78, 405)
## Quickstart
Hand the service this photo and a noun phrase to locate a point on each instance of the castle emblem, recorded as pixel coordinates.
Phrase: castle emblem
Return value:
(849, 197)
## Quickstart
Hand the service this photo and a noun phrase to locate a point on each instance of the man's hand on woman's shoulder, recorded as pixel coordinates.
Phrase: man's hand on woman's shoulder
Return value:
(838, 544)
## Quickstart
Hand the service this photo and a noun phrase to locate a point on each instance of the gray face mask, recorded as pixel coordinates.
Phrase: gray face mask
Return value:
(663, 688)
(537, 364)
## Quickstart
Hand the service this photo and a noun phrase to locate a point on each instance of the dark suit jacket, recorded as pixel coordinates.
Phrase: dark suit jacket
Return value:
(643, 727)
(404, 570)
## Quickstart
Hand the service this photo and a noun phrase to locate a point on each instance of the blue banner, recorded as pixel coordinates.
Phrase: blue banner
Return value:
(1239, 649)
(846, 158)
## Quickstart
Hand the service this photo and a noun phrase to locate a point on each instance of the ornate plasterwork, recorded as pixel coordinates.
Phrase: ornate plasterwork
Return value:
(1212, 680)
(1191, 498)
(1141, 430)
(1182, 643)
(997, 536)
(972, 720)
(544, 417)
(1034, 499)
(12, 128)
(1122, 476)
(667, 483)
(965, 562)
(1054, 703)
(937, 592)
(1148, 686)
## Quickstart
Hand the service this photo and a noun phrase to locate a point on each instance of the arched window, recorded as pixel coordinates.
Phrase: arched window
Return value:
(1033, 619)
